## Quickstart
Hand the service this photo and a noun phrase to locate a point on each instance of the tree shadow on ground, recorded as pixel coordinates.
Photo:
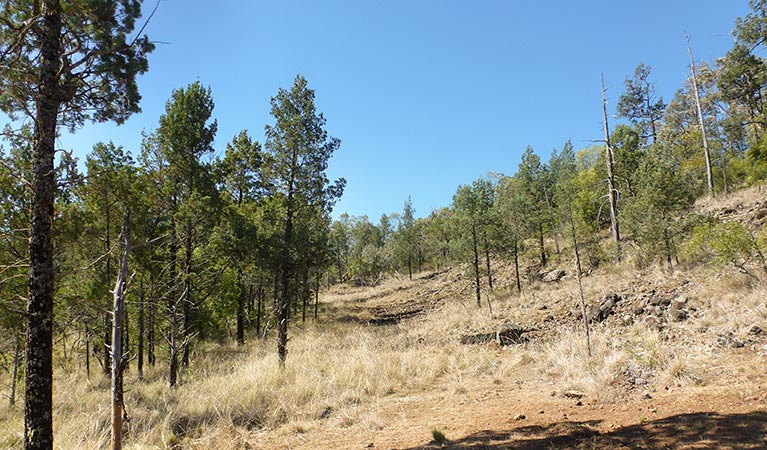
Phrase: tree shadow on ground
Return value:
(706, 430)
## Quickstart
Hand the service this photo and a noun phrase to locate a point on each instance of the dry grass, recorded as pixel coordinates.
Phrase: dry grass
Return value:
(339, 370)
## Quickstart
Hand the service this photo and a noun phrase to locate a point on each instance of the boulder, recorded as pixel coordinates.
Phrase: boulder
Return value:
(553, 275)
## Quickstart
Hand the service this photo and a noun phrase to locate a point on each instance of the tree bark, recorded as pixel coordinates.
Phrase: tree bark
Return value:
(540, 242)
(140, 359)
(118, 362)
(38, 390)
(609, 160)
(240, 308)
(286, 269)
(173, 311)
(317, 297)
(487, 262)
(579, 275)
(475, 246)
(187, 301)
(706, 153)
(15, 373)
(516, 264)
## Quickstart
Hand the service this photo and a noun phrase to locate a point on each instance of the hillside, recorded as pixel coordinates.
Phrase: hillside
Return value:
(678, 361)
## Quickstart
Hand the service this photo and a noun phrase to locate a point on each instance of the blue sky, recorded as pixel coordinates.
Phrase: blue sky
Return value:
(424, 94)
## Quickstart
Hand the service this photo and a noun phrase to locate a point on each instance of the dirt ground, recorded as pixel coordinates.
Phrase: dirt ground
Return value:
(527, 414)
(525, 411)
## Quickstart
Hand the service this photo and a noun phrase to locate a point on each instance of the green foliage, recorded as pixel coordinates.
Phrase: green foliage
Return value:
(721, 244)
(97, 79)
(438, 436)
(639, 104)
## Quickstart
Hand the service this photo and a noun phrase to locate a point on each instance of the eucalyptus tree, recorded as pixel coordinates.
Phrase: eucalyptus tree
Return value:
(61, 63)
(407, 235)
(296, 154)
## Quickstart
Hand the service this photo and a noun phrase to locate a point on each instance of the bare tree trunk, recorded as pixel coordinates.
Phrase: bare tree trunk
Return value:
(317, 297)
(187, 301)
(516, 264)
(258, 309)
(141, 302)
(150, 327)
(667, 238)
(475, 246)
(173, 311)
(118, 361)
(487, 263)
(543, 247)
(15, 373)
(305, 295)
(552, 219)
(579, 275)
(87, 352)
(240, 308)
(706, 154)
(609, 159)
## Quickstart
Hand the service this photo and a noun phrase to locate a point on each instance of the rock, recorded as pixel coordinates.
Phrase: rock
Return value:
(677, 315)
(729, 341)
(646, 396)
(627, 320)
(507, 334)
(574, 394)
(593, 314)
(579, 403)
(678, 303)
(659, 301)
(607, 307)
(651, 322)
(520, 417)
(553, 275)
(543, 307)
(755, 331)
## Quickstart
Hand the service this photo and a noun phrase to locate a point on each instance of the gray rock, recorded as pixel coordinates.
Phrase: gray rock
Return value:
(553, 275)
(755, 331)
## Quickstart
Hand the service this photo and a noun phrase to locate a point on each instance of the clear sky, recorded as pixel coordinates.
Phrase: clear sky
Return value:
(424, 94)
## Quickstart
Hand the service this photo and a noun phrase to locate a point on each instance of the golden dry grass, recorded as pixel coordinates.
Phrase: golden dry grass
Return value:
(339, 369)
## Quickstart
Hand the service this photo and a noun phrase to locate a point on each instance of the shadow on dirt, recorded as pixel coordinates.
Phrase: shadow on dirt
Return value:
(684, 431)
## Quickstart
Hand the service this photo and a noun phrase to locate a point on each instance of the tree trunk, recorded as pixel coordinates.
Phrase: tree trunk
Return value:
(173, 311)
(118, 362)
(187, 301)
(305, 296)
(258, 309)
(667, 238)
(15, 373)
(516, 264)
(240, 309)
(706, 154)
(410, 266)
(317, 297)
(475, 246)
(540, 242)
(286, 268)
(38, 390)
(552, 220)
(609, 160)
(140, 359)
(487, 262)
(87, 352)
(150, 328)
(579, 275)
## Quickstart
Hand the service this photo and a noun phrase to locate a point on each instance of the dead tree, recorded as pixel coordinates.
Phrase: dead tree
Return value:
(118, 360)
(709, 174)
(609, 159)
